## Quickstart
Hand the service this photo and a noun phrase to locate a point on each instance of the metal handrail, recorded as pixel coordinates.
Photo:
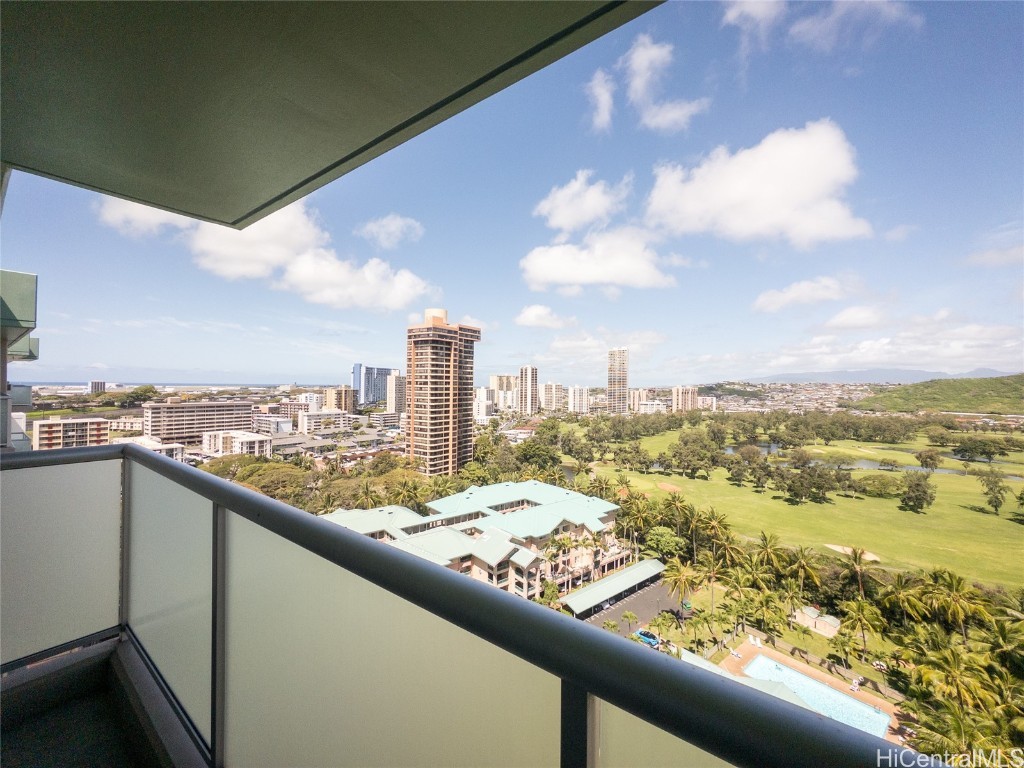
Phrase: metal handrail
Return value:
(739, 724)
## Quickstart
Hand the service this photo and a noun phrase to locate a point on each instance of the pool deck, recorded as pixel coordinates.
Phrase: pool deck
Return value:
(748, 651)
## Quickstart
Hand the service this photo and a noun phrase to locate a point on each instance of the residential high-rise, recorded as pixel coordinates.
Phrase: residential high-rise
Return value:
(371, 384)
(552, 397)
(439, 393)
(684, 399)
(185, 422)
(396, 393)
(341, 398)
(618, 381)
(503, 382)
(578, 400)
(637, 396)
(529, 399)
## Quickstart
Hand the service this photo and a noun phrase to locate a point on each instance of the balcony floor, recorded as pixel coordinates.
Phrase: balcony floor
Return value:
(82, 732)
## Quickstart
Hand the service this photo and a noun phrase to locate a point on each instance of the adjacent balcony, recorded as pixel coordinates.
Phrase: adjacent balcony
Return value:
(227, 629)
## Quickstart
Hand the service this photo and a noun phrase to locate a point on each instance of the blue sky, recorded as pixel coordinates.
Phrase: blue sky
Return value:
(729, 190)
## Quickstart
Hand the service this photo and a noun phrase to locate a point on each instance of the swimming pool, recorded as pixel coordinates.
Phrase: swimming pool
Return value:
(820, 697)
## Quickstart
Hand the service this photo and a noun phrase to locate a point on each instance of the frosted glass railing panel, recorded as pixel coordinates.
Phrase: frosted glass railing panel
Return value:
(626, 740)
(170, 589)
(60, 544)
(324, 668)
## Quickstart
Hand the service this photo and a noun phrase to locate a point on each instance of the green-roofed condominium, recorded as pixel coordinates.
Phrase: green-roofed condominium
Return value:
(514, 536)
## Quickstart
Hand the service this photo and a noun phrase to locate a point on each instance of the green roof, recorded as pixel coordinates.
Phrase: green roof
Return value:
(611, 586)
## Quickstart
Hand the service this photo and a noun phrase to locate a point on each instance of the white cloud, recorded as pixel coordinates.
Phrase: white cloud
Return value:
(789, 186)
(261, 249)
(580, 203)
(617, 257)
(755, 19)
(935, 346)
(389, 231)
(857, 317)
(540, 316)
(998, 257)
(675, 260)
(645, 63)
(899, 233)
(288, 248)
(845, 23)
(804, 292)
(136, 220)
(600, 91)
(321, 277)
(475, 322)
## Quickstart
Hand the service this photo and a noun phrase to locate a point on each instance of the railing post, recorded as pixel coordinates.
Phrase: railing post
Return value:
(575, 731)
(126, 495)
(217, 638)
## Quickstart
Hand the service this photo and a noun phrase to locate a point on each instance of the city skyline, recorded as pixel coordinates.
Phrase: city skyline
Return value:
(598, 204)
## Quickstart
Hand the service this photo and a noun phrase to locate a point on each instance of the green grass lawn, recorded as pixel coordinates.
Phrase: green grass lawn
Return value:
(953, 533)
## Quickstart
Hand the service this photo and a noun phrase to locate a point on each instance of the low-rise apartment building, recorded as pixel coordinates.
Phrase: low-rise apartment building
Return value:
(56, 432)
(514, 536)
(126, 424)
(231, 442)
(174, 451)
(271, 424)
(185, 422)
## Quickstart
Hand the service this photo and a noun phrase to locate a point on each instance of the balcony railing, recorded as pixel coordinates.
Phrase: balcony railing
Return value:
(282, 639)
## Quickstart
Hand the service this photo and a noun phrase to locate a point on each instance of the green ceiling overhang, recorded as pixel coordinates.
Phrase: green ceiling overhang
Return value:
(227, 111)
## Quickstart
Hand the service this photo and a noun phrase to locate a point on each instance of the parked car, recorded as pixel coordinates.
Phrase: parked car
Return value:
(648, 638)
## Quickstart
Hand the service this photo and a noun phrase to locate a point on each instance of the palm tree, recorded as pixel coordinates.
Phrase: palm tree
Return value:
(902, 592)
(407, 493)
(789, 594)
(760, 573)
(740, 589)
(611, 625)
(680, 578)
(367, 496)
(440, 486)
(803, 562)
(952, 730)
(674, 507)
(953, 598)
(601, 487)
(862, 616)
(842, 643)
(858, 567)
(767, 612)
(710, 568)
(955, 673)
(630, 618)
(1003, 640)
(714, 526)
(769, 551)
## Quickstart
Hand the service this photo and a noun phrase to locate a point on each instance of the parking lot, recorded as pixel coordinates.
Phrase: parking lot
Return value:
(646, 604)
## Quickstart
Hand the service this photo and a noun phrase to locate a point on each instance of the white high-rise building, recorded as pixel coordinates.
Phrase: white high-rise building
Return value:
(529, 396)
(483, 405)
(684, 399)
(637, 396)
(396, 393)
(315, 400)
(618, 381)
(552, 397)
(578, 400)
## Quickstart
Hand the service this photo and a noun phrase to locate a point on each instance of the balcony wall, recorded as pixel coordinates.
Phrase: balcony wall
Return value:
(286, 640)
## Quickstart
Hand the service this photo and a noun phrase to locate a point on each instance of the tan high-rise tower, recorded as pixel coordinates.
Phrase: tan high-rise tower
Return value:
(439, 393)
(618, 380)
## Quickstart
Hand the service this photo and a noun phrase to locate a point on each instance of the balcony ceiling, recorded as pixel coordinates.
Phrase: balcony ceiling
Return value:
(228, 111)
